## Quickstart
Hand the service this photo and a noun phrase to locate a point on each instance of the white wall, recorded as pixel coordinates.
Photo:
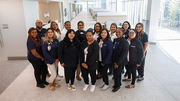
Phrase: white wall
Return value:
(12, 13)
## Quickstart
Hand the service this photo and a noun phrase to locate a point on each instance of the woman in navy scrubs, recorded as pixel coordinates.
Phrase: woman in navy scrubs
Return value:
(134, 57)
(89, 60)
(105, 56)
(143, 37)
(69, 57)
(126, 26)
(121, 47)
(36, 58)
(50, 51)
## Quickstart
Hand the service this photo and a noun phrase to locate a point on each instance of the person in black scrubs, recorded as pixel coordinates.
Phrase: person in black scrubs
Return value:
(89, 60)
(81, 34)
(50, 51)
(68, 52)
(126, 26)
(121, 47)
(36, 58)
(134, 57)
(143, 37)
(105, 56)
(97, 29)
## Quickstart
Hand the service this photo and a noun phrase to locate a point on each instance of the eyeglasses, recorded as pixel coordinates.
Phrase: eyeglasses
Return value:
(131, 33)
(39, 22)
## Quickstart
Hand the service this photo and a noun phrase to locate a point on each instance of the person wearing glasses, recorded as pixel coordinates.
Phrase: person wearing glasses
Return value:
(126, 26)
(134, 57)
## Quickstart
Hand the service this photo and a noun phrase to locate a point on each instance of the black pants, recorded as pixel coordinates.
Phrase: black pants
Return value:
(141, 67)
(131, 69)
(70, 74)
(117, 76)
(103, 71)
(39, 69)
(85, 73)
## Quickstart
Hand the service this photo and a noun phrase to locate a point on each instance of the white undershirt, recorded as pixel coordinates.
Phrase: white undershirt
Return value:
(95, 36)
(58, 36)
(100, 46)
(128, 50)
(113, 36)
(85, 54)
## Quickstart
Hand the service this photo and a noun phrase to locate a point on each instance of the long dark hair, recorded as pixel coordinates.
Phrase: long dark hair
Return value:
(99, 25)
(67, 40)
(30, 37)
(128, 24)
(107, 37)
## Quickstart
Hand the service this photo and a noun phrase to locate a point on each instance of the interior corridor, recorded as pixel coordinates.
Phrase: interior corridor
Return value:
(161, 81)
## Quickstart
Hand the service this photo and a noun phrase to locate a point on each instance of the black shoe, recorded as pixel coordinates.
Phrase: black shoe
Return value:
(116, 89)
(46, 83)
(40, 85)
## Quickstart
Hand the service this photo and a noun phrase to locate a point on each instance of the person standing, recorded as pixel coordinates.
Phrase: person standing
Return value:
(126, 26)
(56, 30)
(134, 57)
(89, 60)
(143, 38)
(50, 51)
(40, 30)
(81, 34)
(67, 26)
(36, 58)
(105, 56)
(68, 53)
(121, 47)
(97, 29)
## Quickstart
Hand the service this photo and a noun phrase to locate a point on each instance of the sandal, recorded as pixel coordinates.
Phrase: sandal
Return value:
(51, 88)
(126, 80)
(130, 86)
(57, 85)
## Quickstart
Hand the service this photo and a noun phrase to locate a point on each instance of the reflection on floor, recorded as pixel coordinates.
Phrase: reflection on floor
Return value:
(161, 84)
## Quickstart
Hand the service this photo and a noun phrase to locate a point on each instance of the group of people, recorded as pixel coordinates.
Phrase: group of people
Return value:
(97, 52)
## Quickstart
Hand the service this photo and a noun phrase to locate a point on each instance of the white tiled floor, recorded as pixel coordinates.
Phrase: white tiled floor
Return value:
(161, 83)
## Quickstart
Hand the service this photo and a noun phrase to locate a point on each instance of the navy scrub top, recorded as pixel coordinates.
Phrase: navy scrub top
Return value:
(31, 45)
(144, 39)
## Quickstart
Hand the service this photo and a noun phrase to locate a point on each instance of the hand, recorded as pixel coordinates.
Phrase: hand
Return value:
(137, 65)
(84, 65)
(62, 64)
(42, 59)
(57, 60)
(115, 65)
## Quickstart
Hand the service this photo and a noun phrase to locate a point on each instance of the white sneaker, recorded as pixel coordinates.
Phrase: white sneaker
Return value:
(68, 86)
(85, 87)
(92, 88)
(58, 78)
(73, 87)
(101, 85)
(105, 87)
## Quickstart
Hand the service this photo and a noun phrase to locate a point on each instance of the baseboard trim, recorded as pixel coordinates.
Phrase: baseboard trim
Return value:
(17, 58)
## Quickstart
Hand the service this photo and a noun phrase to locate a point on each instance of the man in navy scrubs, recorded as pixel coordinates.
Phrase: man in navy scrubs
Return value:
(40, 31)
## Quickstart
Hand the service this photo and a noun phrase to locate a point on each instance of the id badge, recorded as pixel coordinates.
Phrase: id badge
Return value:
(49, 48)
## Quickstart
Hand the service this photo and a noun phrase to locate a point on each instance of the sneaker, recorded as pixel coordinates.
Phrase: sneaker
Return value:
(73, 87)
(58, 78)
(105, 87)
(101, 85)
(68, 86)
(140, 79)
(40, 85)
(92, 88)
(45, 83)
(85, 87)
